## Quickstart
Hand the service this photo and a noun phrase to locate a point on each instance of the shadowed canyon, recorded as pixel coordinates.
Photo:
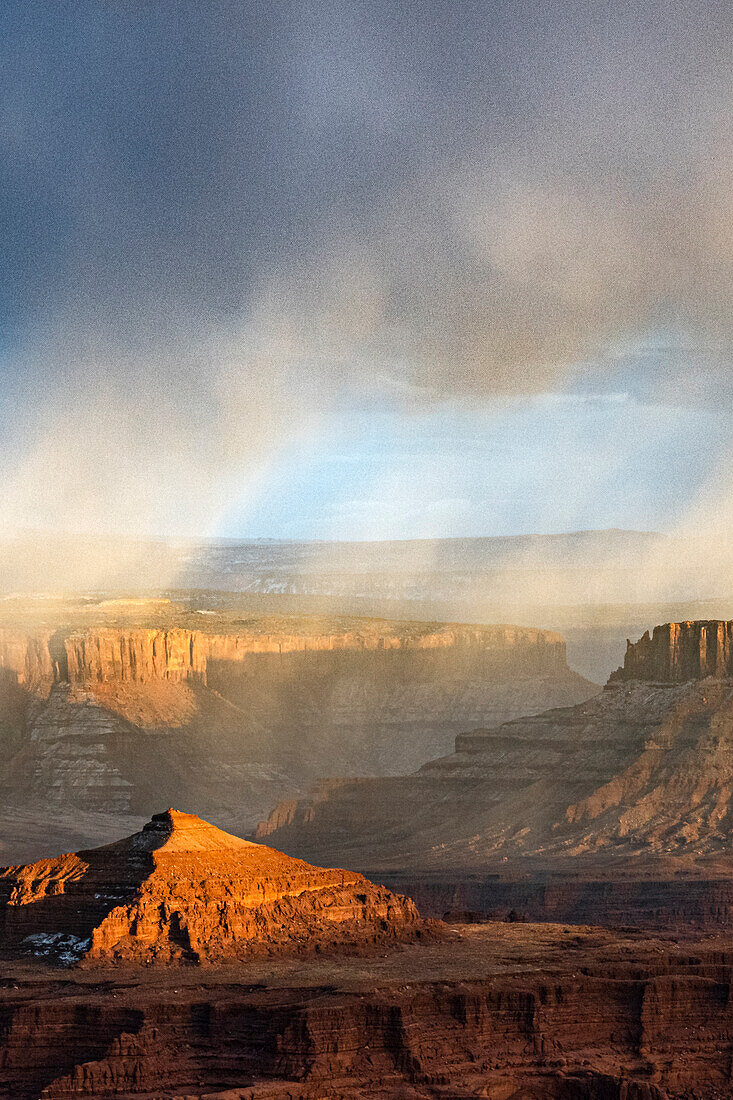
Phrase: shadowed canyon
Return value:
(103, 722)
(617, 809)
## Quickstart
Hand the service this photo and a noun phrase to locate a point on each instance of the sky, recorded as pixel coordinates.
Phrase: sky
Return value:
(515, 467)
(365, 269)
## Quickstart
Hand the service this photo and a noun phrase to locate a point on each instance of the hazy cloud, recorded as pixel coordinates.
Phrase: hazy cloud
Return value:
(220, 219)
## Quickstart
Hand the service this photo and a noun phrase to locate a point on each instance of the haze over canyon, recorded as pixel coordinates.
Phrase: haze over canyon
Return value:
(366, 550)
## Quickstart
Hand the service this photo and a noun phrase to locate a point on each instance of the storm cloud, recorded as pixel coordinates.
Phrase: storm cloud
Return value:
(220, 220)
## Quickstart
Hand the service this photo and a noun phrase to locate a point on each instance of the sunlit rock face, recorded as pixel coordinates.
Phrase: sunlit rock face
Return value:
(108, 655)
(183, 890)
(678, 652)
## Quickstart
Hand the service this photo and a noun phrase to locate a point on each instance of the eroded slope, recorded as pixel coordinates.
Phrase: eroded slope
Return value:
(183, 890)
(112, 720)
(635, 782)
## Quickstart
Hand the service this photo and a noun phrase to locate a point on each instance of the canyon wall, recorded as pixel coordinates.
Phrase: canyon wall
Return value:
(143, 655)
(505, 791)
(595, 1024)
(671, 904)
(634, 782)
(114, 720)
(677, 652)
(27, 659)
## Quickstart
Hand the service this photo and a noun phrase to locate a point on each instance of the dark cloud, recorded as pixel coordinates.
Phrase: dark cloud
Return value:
(220, 216)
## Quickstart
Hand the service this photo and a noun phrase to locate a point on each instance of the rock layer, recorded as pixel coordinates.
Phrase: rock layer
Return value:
(110, 720)
(677, 652)
(634, 784)
(655, 899)
(501, 1012)
(183, 890)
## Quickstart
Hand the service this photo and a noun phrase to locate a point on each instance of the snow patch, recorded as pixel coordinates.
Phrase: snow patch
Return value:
(60, 946)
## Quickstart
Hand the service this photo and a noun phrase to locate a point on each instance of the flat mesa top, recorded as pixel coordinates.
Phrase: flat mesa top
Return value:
(482, 952)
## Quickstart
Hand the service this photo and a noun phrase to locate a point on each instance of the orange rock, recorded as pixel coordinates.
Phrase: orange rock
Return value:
(183, 890)
(142, 655)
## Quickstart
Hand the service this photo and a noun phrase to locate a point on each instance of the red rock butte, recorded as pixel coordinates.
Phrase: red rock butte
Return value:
(680, 652)
(183, 890)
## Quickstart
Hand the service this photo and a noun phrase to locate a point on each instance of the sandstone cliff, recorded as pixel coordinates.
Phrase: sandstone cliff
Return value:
(144, 655)
(500, 1012)
(677, 652)
(111, 720)
(183, 890)
(634, 783)
(28, 658)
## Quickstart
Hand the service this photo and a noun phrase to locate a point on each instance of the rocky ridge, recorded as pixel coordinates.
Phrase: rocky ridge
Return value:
(183, 890)
(636, 783)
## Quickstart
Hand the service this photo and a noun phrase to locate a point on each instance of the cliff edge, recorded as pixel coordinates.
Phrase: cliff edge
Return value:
(678, 652)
